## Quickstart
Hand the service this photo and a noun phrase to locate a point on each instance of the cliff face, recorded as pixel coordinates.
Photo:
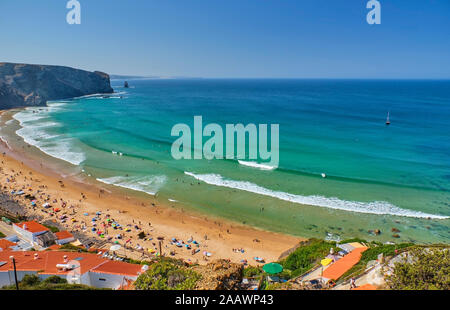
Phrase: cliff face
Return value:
(32, 85)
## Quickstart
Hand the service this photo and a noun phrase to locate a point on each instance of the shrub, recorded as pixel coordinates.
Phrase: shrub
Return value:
(372, 254)
(251, 271)
(306, 256)
(32, 282)
(54, 280)
(53, 229)
(72, 248)
(165, 275)
(423, 269)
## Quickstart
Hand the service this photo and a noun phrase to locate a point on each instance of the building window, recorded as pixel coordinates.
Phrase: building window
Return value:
(101, 279)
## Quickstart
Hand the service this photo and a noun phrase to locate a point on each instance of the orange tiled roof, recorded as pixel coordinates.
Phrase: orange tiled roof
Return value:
(32, 226)
(63, 235)
(336, 270)
(54, 247)
(5, 244)
(46, 263)
(115, 267)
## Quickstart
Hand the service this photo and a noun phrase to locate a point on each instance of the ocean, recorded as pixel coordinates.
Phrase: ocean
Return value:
(377, 176)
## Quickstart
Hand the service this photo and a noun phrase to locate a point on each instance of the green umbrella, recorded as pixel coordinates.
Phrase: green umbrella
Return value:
(272, 268)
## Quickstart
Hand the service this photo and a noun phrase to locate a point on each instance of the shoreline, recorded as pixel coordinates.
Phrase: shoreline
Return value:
(156, 219)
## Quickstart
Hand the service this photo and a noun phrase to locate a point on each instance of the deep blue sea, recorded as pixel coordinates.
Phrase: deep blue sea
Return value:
(377, 176)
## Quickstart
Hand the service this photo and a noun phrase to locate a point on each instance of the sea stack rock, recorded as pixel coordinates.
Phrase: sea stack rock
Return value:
(23, 85)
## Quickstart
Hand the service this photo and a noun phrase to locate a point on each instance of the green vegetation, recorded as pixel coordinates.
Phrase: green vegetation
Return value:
(306, 256)
(251, 271)
(53, 229)
(372, 254)
(2, 235)
(423, 269)
(72, 248)
(167, 275)
(353, 240)
(32, 282)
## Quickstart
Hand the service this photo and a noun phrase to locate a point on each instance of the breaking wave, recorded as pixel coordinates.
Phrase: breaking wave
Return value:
(146, 184)
(375, 207)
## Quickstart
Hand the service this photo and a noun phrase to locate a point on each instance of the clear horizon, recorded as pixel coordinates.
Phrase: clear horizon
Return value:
(237, 39)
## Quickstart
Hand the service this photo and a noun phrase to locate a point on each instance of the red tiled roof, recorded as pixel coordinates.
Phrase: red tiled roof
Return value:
(54, 247)
(336, 270)
(5, 244)
(32, 226)
(115, 267)
(47, 260)
(63, 235)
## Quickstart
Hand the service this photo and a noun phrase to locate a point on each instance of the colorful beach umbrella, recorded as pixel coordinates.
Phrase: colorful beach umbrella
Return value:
(272, 268)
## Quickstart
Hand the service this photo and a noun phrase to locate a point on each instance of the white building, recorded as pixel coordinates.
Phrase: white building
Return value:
(64, 237)
(29, 230)
(82, 268)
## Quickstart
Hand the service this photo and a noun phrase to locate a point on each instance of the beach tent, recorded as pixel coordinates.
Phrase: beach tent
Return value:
(115, 247)
(272, 268)
(336, 270)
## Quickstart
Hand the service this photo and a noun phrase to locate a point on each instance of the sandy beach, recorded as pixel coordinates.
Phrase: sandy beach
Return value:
(73, 199)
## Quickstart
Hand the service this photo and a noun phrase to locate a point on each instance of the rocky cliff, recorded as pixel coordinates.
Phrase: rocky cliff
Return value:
(33, 85)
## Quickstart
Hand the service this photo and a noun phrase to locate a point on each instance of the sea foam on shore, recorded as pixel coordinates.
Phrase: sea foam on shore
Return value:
(146, 184)
(36, 131)
(375, 207)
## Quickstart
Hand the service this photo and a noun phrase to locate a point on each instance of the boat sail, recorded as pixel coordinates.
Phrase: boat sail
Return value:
(388, 122)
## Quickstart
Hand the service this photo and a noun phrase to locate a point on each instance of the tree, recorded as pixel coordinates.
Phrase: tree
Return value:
(166, 275)
(422, 269)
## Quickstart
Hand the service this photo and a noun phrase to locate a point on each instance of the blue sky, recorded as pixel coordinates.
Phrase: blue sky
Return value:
(233, 38)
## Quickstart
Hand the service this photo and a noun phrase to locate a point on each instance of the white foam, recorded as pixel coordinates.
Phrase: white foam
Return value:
(375, 207)
(3, 139)
(256, 165)
(34, 131)
(147, 184)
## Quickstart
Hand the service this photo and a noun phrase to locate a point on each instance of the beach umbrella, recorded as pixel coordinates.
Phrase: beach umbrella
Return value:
(115, 247)
(272, 268)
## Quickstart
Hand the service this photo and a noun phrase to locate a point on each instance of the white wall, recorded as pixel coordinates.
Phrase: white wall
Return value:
(111, 280)
(4, 278)
(26, 234)
(64, 241)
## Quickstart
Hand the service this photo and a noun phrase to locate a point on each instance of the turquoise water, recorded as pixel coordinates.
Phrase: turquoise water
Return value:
(378, 176)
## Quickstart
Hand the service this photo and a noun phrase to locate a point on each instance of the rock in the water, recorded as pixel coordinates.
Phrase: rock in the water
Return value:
(24, 85)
